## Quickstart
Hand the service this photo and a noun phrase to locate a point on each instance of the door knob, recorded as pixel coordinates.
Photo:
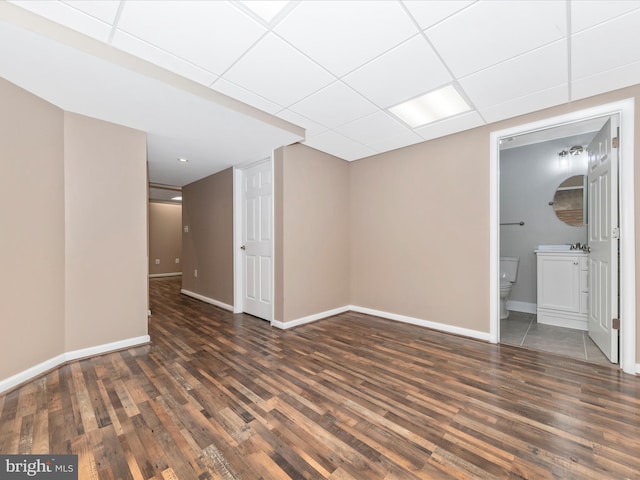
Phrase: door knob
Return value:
(243, 247)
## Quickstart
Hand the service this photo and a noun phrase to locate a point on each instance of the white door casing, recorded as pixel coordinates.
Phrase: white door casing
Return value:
(602, 238)
(257, 240)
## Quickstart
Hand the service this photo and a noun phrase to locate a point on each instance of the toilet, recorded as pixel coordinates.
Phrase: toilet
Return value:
(508, 272)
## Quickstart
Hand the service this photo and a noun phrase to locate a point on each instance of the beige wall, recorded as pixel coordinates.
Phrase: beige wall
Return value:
(312, 232)
(207, 209)
(165, 237)
(74, 240)
(106, 232)
(32, 237)
(419, 232)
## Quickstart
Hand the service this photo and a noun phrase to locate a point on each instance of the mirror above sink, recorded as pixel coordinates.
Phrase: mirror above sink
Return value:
(569, 201)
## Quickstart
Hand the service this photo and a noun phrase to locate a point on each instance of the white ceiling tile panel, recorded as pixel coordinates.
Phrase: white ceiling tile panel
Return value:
(540, 69)
(275, 70)
(343, 35)
(265, 10)
(211, 35)
(407, 71)
(372, 128)
(69, 17)
(245, 96)
(345, 105)
(391, 143)
(591, 55)
(530, 103)
(150, 53)
(588, 13)
(311, 128)
(459, 123)
(335, 144)
(104, 10)
(621, 77)
(429, 13)
(487, 33)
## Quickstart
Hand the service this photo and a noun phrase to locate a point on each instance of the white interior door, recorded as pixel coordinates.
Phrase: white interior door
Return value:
(603, 237)
(257, 239)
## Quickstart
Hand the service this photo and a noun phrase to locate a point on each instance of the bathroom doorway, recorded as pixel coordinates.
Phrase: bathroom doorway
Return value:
(551, 137)
(542, 203)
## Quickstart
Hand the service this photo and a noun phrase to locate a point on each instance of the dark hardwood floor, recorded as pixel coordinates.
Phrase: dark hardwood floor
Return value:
(223, 396)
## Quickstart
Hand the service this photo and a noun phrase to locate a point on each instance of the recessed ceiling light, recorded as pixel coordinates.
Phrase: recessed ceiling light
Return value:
(182, 160)
(265, 9)
(436, 105)
(177, 199)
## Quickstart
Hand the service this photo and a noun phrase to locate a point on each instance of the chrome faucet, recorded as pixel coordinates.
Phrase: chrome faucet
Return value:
(578, 246)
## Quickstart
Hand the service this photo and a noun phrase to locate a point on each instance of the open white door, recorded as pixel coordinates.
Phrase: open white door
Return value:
(603, 235)
(257, 238)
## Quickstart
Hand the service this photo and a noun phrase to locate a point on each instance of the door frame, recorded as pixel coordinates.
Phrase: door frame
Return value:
(238, 271)
(627, 264)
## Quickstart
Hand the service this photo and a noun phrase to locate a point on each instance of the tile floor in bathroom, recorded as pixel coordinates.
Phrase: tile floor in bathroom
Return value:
(522, 329)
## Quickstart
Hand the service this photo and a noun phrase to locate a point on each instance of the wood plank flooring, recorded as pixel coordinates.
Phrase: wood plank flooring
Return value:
(223, 396)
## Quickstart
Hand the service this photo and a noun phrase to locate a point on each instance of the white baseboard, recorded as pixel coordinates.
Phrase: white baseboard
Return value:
(29, 373)
(525, 307)
(50, 364)
(424, 323)
(309, 318)
(158, 275)
(202, 298)
(107, 347)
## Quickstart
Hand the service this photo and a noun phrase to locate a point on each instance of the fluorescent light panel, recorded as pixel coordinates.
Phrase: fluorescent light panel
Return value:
(177, 199)
(433, 106)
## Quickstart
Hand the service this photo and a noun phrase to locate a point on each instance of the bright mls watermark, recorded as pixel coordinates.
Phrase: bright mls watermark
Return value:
(51, 467)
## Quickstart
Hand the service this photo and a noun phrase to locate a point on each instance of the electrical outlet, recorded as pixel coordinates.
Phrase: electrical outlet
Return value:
(177, 260)
(195, 273)
(186, 229)
(157, 261)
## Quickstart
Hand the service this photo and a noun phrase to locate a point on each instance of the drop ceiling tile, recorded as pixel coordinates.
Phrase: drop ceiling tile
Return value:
(104, 10)
(530, 103)
(372, 128)
(587, 13)
(334, 105)
(266, 11)
(487, 33)
(276, 71)
(459, 123)
(399, 141)
(335, 144)
(591, 55)
(193, 30)
(69, 17)
(245, 96)
(137, 47)
(429, 13)
(540, 69)
(407, 71)
(343, 35)
(621, 77)
(311, 128)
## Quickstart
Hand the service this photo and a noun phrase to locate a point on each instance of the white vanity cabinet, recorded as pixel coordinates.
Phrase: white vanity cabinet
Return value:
(563, 289)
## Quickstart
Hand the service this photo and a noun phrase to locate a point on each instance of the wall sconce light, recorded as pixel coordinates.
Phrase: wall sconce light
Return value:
(576, 150)
(563, 159)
